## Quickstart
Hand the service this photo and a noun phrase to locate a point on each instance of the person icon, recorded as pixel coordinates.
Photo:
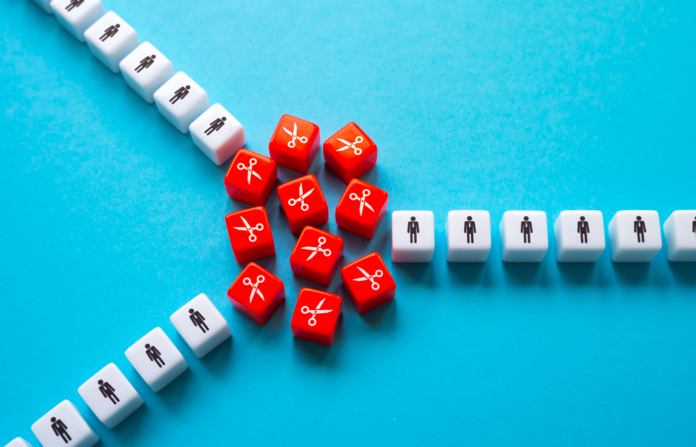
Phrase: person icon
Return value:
(216, 125)
(413, 230)
(108, 392)
(198, 320)
(693, 226)
(180, 94)
(74, 4)
(469, 229)
(583, 229)
(640, 229)
(60, 429)
(154, 355)
(110, 32)
(527, 230)
(145, 63)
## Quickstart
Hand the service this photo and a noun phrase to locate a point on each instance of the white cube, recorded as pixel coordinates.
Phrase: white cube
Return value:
(217, 134)
(64, 425)
(579, 236)
(635, 236)
(156, 359)
(111, 39)
(181, 101)
(201, 325)
(77, 15)
(46, 6)
(680, 236)
(412, 236)
(468, 236)
(524, 236)
(18, 442)
(110, 396)
(145, 70)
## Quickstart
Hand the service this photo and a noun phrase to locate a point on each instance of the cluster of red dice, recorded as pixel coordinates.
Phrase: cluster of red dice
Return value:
(251, 178)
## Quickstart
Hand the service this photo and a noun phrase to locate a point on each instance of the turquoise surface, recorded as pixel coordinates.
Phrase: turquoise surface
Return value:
(112, 220)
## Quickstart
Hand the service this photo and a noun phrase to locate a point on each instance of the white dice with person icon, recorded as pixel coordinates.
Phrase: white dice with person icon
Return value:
(156, 359)
(77, 15)
(680, 236)
(579, 236)
(18, 442)
(110, 396)
(217, 134)
(201, 325)
(412, 236)
(111, 39)
(181, 101)
(145, 70)
(635, 236)
(64, 425)
(524, 236)
(468, 235)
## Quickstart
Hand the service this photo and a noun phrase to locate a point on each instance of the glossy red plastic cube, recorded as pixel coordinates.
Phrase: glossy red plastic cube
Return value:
(316, 316)
(350, 152)
(303, 203)
(250, 234)
(368, 283)
(316, 255)
(251, 178)
(256, 293)
(362, 208)
(294, 144)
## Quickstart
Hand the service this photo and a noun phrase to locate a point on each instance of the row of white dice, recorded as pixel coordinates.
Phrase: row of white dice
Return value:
(635, 236)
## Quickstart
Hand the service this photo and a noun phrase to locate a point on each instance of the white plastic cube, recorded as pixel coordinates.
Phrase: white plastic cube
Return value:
(217, 134)
(156, 359)
(111, 39)
(680, 236)
(201, 325)
(64, 425)
(524, 236)
(579, 236)
(145, 70)
(77, 15)
(181, 101)
(110, 396)
(635, 236)
(46, 6)
(468, 236)
(412, 236)
(18, 442)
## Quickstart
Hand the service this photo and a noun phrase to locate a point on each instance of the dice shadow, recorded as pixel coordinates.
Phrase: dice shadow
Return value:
(273, 326)
(130, 428)
(577, 273)
(318, 354)
(218, 360)
(522, 273)
(174, 394)
(632, 273)
(421, 272)
(467, 273)
(684, 273)
(382, 317)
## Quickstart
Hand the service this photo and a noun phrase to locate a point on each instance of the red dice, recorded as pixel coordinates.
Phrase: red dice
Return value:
(316, 316)
(361, 208)
(256, 293)
(294, 144)
(368, 283)
(251, 178)
(316, 255)
(303, 203)
(350, 152)
(250, 234)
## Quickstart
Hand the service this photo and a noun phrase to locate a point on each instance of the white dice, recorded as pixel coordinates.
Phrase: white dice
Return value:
(111, 39)
(201, 325)
(217, 134)
(412, 236)
(524, 236)
(680, 236)
(579, 236)
(64, 425)
(468, 236)
(156, 359)
(110, 396)
(181, 101)
(18, 442)
(635, 236)
(145, 70)
(77, 15)
(46, 6)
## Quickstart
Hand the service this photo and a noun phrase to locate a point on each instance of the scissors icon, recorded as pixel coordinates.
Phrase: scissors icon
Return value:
(363, 203)
(317, 249)
(348, 145)
(367, 277)
(313, 320)
(294, 136)
(250, 170)
(304, 206)
(255, 287)
(250, 229)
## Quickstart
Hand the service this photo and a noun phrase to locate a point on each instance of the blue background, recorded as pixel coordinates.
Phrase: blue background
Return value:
(112, 220)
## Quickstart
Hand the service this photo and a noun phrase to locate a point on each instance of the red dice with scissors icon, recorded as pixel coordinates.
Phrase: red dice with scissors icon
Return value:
(294, 144)
(368, 283)
(303, 203)
(251, 178)
(361, 208)
(350, 152)
(250, 234)
(316, 255)
(256, 293)
(316, 316)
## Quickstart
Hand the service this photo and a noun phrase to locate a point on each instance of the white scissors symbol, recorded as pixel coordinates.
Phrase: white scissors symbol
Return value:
(255, 287)
(348, 145)
(246, 227)
(363, 203)
(250, 170)
(313, 320)
(304, 206)
(294, 136)
(317, 249)
(367, 277)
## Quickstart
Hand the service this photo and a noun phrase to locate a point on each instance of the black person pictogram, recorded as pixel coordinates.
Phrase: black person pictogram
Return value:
(216, 125)
(145, 63)
(413, 230)
(154, 355)
(469, 229)
(108, 392)
(526, 229)
(693, 226)
(180, 94)
(110, 32)
(640, 229)
(60, 429)
(583, 229)
(198, 320)
(74, 4)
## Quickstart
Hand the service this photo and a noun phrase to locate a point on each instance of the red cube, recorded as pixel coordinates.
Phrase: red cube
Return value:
(350, 152)
(362, 208)
(368, 283)
(256, 293)
(250, 234)
(316, 316)
(316, 255)
(294, 144)
(251, 178)
(303, 203)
